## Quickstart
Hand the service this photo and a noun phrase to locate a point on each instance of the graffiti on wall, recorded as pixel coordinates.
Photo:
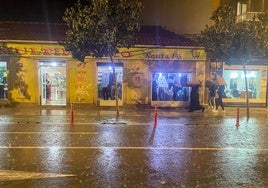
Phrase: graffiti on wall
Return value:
(82, 84)
(136, 79)
(23, 84)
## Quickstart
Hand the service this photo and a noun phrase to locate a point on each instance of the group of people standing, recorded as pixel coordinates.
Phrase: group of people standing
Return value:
(107, 85)
(216, 87)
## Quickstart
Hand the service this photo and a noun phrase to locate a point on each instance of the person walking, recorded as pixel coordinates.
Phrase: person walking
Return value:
(218, 99)
(212, 92)
(194, 97)
(221, 84)
(220, 93)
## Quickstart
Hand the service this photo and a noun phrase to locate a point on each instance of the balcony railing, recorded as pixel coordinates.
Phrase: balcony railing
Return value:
(247, 16)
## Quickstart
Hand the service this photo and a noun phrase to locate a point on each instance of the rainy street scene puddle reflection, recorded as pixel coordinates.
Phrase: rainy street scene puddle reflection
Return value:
(176, 149)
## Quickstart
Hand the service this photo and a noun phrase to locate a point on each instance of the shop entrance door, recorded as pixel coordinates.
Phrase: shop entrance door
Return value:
(52, 83)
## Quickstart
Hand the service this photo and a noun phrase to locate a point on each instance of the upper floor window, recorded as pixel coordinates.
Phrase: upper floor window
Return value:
(241, 8)
(241, 12)
(248, 10)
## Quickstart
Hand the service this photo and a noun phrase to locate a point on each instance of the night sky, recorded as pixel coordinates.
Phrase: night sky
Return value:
(34, 10)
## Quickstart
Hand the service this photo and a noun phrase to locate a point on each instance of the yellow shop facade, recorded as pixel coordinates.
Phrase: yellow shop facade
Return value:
(36, 69)
(45, 73)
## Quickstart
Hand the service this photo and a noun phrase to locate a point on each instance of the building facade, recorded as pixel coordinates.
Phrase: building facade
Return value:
(36, 69)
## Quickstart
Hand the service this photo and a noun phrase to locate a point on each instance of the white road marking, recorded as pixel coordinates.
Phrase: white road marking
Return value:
(120, 123)
(136, 148)
(10, 175)
(50, 132)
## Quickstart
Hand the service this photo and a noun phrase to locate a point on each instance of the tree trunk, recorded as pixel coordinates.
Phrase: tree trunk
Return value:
(115, 87)
(246, 84)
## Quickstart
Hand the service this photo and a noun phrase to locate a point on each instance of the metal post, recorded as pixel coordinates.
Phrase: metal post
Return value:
(237, 117)
(72, 114)
(155, 115)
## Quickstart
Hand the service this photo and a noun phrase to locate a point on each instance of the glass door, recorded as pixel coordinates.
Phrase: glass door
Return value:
(53, 83)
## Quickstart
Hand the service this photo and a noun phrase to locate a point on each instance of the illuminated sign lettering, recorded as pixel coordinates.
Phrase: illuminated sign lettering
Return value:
(150, 55)
(34, 51)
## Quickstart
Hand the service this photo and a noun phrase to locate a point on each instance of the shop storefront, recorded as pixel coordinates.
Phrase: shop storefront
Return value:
(106, 83)
(35, 73)
(169, 83)
(153, 76)
(52, 76)
(235, 84)
(40, 71)
(47, 75)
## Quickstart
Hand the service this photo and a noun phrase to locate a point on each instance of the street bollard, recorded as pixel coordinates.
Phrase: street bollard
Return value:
(155, 115)
(72, 114)
(237, 117)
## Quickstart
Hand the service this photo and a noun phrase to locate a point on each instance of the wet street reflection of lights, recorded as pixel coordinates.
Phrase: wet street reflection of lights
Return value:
(4, 153)
(168, 163)
(53, 161)
(183, 150)
(238, 165)
(240, 162)
(53, 155)
(108, 161)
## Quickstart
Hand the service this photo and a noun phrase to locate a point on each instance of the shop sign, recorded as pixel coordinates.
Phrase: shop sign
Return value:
(161, 54)
(172, 56)
(132, 53)
(33, 51)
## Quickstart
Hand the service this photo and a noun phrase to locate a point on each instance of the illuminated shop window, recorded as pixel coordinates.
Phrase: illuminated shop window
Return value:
(235, 80)
(106, 87)
(170, 86)
(3, 80)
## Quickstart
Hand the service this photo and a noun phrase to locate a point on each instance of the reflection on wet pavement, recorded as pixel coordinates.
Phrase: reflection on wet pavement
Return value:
(183, 150)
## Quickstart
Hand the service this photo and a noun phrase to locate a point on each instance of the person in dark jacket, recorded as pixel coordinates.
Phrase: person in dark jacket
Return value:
(194, 98)
(212, 92)
(218, 98)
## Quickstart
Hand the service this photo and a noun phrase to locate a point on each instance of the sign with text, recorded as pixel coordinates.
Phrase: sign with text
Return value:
(191, 54)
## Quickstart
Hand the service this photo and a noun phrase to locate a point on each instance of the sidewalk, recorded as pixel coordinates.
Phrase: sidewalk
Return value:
(134, 115)
(90, 109)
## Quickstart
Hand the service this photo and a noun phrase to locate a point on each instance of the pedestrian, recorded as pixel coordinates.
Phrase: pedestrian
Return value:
(211, 99)
(221, 84)
(194, 97)
(2, 90)
(48, 90)
(211, 84)
(218, 99)
(220, 93)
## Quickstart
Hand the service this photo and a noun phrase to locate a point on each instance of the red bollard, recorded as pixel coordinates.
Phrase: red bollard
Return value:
(155, 115)
(72, 114)
(237, 118)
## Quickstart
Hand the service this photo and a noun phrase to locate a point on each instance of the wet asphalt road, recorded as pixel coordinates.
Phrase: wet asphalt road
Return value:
(39, 148)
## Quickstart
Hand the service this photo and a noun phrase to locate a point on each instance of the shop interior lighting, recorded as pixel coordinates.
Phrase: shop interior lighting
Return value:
(250, 74)
(234, 75)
